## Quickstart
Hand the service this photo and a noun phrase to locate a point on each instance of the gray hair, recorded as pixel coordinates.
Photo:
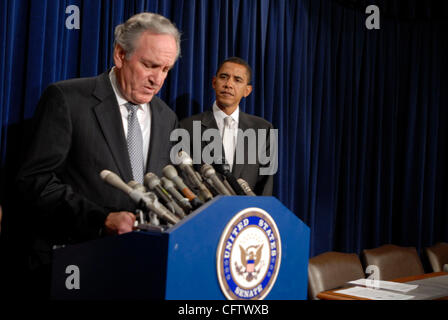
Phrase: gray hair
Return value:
(127, 33)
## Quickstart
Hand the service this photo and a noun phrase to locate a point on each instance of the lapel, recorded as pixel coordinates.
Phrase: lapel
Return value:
(243, 124)
(208, 120)
(109, 118)
(155, 144)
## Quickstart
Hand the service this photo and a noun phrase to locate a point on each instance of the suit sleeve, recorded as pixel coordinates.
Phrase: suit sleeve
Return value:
(60, 212)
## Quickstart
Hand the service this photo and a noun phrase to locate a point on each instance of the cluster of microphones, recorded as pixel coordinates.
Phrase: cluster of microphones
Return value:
(164, 201)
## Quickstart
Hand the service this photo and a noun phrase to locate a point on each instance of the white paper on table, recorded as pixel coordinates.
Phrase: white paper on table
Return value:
(388, 285)
(374, 294)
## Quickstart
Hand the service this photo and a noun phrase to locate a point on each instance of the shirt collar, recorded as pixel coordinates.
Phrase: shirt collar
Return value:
(220, 115)
(120, 99)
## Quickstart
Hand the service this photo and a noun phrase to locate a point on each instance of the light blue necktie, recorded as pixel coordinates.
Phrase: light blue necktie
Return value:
(135, 143)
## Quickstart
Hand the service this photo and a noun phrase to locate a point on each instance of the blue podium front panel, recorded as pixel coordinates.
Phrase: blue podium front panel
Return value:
(193, 244)
(181, 263)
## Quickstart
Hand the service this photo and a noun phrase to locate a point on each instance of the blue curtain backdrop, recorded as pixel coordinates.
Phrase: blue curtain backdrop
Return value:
(362, 114)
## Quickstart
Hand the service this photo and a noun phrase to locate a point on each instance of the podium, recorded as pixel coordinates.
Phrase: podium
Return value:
(184, 262)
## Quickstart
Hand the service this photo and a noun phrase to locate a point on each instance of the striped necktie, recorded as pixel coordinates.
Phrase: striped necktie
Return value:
(135, 143)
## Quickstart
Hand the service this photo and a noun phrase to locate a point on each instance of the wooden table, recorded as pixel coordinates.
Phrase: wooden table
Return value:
(332, 295)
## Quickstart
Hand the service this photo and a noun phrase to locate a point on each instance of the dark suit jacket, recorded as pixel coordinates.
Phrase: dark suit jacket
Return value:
(261, 185)
(77, 133)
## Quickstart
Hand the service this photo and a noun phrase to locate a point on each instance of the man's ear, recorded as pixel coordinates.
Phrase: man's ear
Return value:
(119, 56)
(214, 82)
(248, 91)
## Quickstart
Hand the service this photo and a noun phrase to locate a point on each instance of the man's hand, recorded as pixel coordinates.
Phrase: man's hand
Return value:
(119, 222)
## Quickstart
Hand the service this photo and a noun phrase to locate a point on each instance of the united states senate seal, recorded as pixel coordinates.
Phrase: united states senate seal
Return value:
(249, 255)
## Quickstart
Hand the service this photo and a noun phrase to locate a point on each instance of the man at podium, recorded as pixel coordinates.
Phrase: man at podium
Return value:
(82, 126)
(238, 130)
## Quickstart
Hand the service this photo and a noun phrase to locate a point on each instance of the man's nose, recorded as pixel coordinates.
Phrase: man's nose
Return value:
(228, 83)
(156, 77)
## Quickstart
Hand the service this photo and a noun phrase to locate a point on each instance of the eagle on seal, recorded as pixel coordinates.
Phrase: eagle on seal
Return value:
(250, 258)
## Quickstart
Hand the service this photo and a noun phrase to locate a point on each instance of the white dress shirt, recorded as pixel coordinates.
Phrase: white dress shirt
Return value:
(219, 117)
(143, 115)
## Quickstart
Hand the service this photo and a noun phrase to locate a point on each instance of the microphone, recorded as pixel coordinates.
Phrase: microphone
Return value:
(208, 172)
(148, 200)
(137, 186)
(224, 169)
(170, 187)
(243, 183)
(171, 173)
(186, 165)
(152, 181)
(229, 187)
(209, 184)
(139, 213)
(151, 222)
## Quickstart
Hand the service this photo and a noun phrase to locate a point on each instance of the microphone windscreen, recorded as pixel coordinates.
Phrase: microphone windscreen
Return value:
(151, 180)
(170, 172)
(243, 183)
(223, 168)
(137, 186)
(167, 183)
(207, 170)
(114, 180)
(184, 159)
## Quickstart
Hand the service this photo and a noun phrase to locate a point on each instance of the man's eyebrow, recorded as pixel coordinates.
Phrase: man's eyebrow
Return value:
(145, 61)
(228, 75)
(149, 62)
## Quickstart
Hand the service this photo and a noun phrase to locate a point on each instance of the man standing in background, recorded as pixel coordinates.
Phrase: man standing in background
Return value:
(232, 83)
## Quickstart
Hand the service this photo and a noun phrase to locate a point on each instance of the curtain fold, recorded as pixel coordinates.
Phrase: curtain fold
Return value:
(362, 115)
